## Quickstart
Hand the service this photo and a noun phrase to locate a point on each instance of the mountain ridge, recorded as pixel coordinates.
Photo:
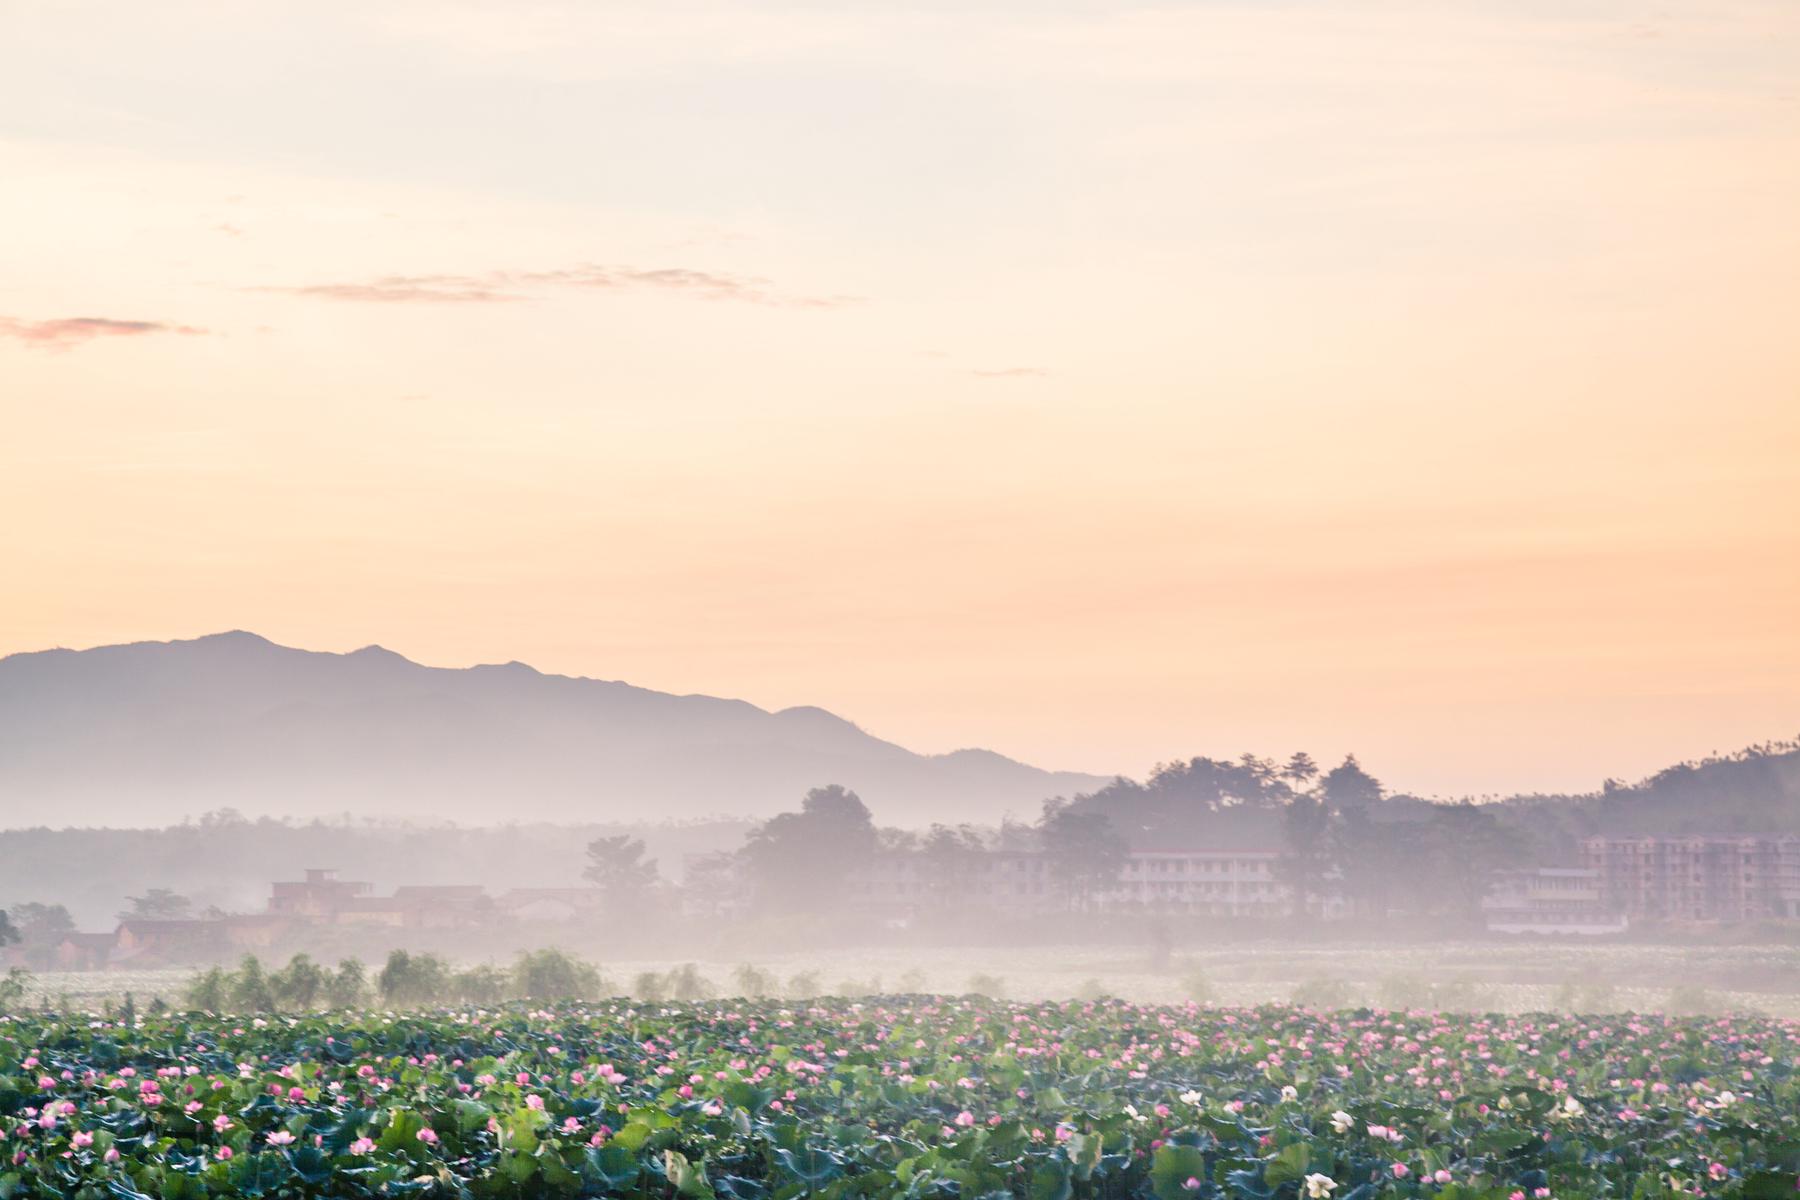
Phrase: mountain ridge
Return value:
(166, 729)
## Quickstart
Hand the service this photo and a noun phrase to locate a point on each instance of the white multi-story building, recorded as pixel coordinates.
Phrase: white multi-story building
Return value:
(1220, 882)
(1232, 883)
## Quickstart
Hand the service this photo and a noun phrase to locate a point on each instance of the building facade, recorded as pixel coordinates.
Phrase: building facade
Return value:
(1236, 883)
(1555, 900)
(1697, 877)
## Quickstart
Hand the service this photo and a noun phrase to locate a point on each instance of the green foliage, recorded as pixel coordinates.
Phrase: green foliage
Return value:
(685, 983)
(209, 991)
(158, 904)
(13, 986)
(1083, 849)
(250, 989)
(618, 867)
(482, 984)
(926, 1099)
(752, 982)
(299, 985)
(799, 861)
(650, 987)
(552, 975)
(407, 980)
(348, 986)
(991, 986)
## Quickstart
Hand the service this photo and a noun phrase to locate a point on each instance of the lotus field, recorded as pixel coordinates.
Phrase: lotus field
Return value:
(916, 1097)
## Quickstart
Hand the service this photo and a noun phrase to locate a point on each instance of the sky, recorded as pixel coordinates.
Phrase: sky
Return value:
(1098, 383)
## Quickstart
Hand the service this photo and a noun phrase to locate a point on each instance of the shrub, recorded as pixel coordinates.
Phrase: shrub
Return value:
(250, 991)
(550, 974)
(349, 986)
(651, 987)
(1322, 992)
(12, 989)
(753, 983)
(209, 990)
(482, 985)
(299, 984)
(991, 986)
(406, 980)
(687, 984)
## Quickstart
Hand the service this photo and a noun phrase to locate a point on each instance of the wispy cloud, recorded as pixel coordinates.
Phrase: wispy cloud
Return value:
(63, 332)
(1011, 372)
(401, 289)
(503, 286)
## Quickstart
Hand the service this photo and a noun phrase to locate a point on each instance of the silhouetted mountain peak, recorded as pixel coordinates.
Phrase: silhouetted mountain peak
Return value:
(155, 731)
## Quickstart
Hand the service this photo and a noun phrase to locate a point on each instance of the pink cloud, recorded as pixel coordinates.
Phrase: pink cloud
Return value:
(500, 286)
(64, 332)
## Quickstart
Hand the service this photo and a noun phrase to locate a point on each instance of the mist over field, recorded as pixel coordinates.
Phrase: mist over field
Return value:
(779, 600)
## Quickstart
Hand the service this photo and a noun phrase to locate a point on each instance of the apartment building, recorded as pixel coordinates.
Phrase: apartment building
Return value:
(1019, 882)
(1228, 883)
(1697, 877)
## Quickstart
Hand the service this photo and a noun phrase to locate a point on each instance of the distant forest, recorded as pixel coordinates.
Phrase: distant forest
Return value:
(226, 861)
(1243, 802)
(1385, 852)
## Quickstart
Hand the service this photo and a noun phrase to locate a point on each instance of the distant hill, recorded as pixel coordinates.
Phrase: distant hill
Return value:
(1756, 790)
(147, 733)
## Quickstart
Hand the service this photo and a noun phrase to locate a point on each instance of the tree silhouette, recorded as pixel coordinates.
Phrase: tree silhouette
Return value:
(158, 904)
(1083, 850)
(800, 860)
(618, 866)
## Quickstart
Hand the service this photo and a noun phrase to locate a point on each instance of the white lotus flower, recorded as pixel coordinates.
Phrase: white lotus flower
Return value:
(1319, 1187)
(1342, 1122)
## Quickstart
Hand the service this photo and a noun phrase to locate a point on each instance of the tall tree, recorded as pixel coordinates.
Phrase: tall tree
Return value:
(629, 880)
(1300, 770)
(801, 860)
(158, 904)
(1462, 846)
(951, 855)
(1306, 863)
(1347, 786)
(1084, 851)
(42, 922)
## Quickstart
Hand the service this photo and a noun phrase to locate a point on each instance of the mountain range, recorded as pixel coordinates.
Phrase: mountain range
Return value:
(151, 732)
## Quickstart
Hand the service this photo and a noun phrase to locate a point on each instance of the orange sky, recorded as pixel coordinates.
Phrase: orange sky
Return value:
(1100, 386)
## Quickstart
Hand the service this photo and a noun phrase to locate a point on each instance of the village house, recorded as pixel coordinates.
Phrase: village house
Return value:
(550, 904)
(323, 898)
